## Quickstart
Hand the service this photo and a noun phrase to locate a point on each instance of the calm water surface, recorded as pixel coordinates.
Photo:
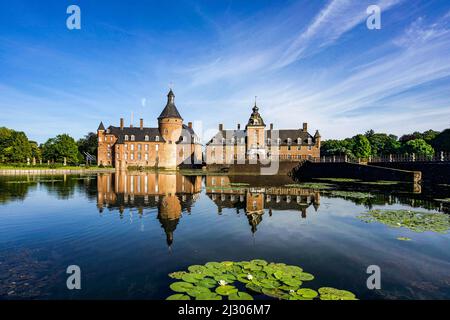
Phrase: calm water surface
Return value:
(127, 232)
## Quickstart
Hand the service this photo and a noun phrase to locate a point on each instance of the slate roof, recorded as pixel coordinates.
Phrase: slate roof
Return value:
(284, 135)
(188, 132)
(170, 110)
(101, 126)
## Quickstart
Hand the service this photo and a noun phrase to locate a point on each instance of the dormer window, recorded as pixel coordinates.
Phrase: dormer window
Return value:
(132, 137)
(309, 140)
(223, 140)
(278, 141)
(268, 141)
(157, 138)
(126, 137)
(299, 140)
(242, 140)
(289, 140)
(146, 138)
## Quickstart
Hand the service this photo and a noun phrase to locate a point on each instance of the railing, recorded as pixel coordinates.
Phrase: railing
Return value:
(438, 157)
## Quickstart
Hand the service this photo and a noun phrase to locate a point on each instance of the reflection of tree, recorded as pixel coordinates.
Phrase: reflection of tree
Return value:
(15, 188)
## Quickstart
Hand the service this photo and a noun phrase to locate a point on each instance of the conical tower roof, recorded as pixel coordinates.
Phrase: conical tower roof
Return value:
(170, 110)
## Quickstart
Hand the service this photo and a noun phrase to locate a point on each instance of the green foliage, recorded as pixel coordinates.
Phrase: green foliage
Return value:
(361, 146)
(60, 147)
(212, 281)
(442, 141)
(413, 220)
(89, 144)
(14, 146)
(418, 147)
(381, 143)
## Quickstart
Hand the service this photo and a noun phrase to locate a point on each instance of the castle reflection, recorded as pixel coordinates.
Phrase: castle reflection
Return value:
(255, 200)
(171, 194)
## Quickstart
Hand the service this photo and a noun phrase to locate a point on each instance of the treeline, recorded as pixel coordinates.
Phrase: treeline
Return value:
(372, 144)
(15, 147)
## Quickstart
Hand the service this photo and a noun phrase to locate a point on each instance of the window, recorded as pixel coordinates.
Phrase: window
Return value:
(146, 156)
(309, 148)
(139, 156)
(132, 156)
(132, 147)
(132, 137)
(139, 147)
(146, 147)
(126, 137)
(299, 140)
(146, 138)
(126, 156)
(182, 138)
(309, 140)
(157, 147)
(242, 140)
(268, 141)
(278, 141)
(99, 139)
(157, 138)
(289, 140)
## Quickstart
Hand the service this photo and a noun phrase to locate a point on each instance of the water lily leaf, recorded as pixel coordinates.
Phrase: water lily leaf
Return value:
(242, 278)
(269, 284)
(208, 296)
(279, 274)
(192, 277)
(292, 282)
(327, 293)
(181, 286)
(226, 290)
(177, 275)
(287, 288)
(304, 276)
(197, 269)
(253, 287)
(213, 264)
(229, 278)
(207, 283)
(259, 262)
(307, 293)
(197, 290)
(240, 296)
(227, 263)
(275, 293)
(178, 296)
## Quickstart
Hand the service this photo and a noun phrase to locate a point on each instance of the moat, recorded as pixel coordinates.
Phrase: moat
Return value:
(127, 232)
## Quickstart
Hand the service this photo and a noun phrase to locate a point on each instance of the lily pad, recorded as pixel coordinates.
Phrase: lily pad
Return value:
(226, 290)
(253, 287)
(327, 293)
(197, 290)
(240, 296)
(229, 278)
(259, 262)
(275, 293)
(177, 275)
(404, 239)
(196, 269)
(307, 293)
(181, 286)
(192, 277)
(207, 283)
(178, 296)
(304, 276)
(209, 296)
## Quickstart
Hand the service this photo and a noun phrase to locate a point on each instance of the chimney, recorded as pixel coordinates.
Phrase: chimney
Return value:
(305, 127)
(142, 123)
(271, 126)
(190, 125)
(239, 126)
(220, 126)
(121, 123)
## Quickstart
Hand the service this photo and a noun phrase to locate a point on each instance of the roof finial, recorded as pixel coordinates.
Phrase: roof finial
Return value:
(255, 100)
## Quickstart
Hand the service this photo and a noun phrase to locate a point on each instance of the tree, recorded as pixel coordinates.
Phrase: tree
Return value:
(88, 144)
(442, 141)
(418, 147)
(35, 150)
(361, 146)
(14, 146)
(381, 143)
(60, 147)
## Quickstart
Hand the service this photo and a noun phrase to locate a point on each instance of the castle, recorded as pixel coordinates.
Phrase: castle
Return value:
(174, 144)
(171, 145)
(258, 144)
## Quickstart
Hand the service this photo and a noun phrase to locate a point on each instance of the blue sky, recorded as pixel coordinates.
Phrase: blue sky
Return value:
(307, 61)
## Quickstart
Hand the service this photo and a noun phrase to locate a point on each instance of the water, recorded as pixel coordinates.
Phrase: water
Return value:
(127, 232)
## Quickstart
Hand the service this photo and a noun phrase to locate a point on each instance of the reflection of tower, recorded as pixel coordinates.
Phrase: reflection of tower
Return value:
(254, 203)
(169, 213)
(254, 219)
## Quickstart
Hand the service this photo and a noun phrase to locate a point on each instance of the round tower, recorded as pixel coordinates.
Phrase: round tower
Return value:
(170, 124)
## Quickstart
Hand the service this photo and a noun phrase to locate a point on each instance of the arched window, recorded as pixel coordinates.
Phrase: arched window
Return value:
(132, 137)
(146, 138)
(268, 140)
(299, 140)
(278, 141)
(309, 140)
(289, 140)
(157, 138)
(126, 137)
